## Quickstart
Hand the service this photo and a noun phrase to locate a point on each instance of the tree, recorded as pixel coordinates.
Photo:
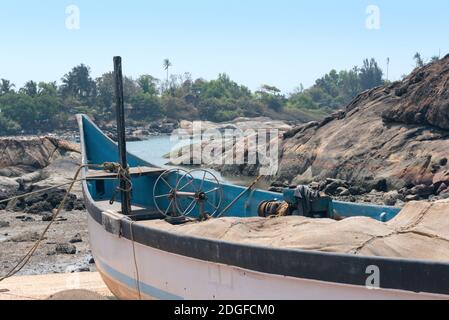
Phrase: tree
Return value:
(106, 92)
(78, 84)
(49, 110)
(370, 75)
(19, 108)
(418, 59)
(167, 64)
(270, 89)
(388, 68)
(223, 88)
(47, 88)
(435, 59)
(271, 97)
(145, 105)
(148, 84)
(8, 126)
(349, 84)
(6, 86)
(336, 89)
(30, 88)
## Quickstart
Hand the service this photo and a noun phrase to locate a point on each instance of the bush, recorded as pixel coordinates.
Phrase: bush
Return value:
(8, 126)
(177, 108)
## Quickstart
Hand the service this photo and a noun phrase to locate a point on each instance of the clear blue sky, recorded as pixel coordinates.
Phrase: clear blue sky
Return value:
(282, 42)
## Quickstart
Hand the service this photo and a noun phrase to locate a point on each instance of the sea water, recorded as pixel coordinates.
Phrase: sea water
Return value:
(154, 149)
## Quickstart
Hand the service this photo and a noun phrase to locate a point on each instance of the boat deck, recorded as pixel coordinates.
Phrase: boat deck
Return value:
(139, 213)
(134, 172)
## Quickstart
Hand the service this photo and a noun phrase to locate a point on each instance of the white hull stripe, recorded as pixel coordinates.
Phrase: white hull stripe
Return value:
(132, 283)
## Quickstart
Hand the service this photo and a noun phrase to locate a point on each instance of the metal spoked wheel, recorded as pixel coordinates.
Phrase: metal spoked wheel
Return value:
(199, 189)
(164, 191)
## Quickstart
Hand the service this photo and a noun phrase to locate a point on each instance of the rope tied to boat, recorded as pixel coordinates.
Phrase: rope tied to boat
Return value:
(136, 267)
(27, 257)
(122, 174)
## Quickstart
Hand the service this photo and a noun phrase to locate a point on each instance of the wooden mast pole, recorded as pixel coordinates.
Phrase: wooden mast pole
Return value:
(121, 137)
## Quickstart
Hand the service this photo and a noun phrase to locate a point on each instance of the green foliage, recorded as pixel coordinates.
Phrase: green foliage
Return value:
(45, 106)
(8, 126)
(78, 83)
(177, 108)
(30, 89)
(222, 88)
(337, 89)
(105, 89)
(418, 59)
(5, 86)
(145, 106)
(167, 64)
(39, 112)
(370, 75)
(270, 96)
(20, 108)
(148, 84)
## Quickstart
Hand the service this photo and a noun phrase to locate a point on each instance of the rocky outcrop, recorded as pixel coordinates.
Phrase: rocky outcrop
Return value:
(23, 154)
(30, 164)
(136, 131)
(394, 136)
(242, 124)
(226, 147)
(424, 98)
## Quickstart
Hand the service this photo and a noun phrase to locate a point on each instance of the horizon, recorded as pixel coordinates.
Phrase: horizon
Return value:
(283, 44)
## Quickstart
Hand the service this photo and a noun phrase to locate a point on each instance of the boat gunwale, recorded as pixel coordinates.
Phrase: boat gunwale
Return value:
(396, 273)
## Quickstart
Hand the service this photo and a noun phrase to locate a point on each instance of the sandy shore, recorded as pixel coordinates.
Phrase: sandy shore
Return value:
(20, 236)
(75, 286)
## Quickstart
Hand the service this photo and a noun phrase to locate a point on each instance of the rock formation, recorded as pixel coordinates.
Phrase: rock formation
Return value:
(393, 136)
(19, 153)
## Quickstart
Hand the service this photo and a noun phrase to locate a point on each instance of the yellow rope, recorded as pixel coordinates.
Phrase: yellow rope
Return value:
(132, 222)
(121, 173)
(26, 258)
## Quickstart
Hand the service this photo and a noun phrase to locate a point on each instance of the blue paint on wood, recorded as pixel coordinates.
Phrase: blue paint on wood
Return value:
(100, 149)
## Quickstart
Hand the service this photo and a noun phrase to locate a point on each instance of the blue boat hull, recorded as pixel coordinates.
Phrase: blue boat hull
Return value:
(101, 149)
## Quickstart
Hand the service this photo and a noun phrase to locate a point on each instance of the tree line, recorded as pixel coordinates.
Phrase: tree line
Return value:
(46, 106)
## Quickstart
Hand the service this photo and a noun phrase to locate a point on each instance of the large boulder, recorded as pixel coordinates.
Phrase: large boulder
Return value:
(35, 152)
(374, 142)
(8, 188)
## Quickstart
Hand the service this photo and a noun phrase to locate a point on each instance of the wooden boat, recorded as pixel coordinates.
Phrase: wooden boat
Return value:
(137, 260)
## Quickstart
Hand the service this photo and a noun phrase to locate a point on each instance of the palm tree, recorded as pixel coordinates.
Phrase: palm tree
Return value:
(6, 86)
(167, 65)
(388, 68)
(419, 60)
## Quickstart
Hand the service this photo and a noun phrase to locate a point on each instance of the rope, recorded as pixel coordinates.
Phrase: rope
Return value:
(38, 191)
(132, 222)
(26, 258)
(122, 174)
